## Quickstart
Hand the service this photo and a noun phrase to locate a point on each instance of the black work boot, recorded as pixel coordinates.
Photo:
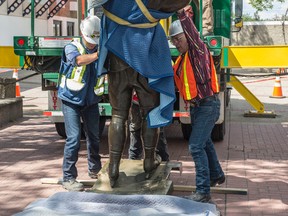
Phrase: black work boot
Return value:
(217, 181)
(199, 197)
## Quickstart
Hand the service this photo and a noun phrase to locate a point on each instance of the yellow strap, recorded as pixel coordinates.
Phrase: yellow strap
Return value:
(145, 11)
(126, 23)
(187, 87)
(78, 72)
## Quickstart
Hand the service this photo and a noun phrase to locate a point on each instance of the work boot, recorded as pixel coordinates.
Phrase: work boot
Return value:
(199, 197)
(72, 185)
(116, 140)
(217, 181)
(93, 174)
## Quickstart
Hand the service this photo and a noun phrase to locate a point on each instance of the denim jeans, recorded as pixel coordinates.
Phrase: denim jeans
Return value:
(136, 148)
(201, 147)
(72, 118)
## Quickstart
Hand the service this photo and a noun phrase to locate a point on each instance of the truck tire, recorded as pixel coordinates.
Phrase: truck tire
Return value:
(102, 123)
(60, 128)
(186, 130)
(217, 134)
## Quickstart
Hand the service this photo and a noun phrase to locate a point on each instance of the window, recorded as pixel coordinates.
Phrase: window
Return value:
(70, 28)
(57, 28)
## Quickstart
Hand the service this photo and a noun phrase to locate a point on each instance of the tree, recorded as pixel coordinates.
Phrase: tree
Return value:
(261, 5)
(248, 17)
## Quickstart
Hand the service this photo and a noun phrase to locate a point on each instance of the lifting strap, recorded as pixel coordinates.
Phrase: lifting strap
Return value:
(144, 10)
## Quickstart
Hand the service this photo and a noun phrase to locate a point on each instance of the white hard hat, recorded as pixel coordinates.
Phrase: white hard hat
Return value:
(175, 28)
(90, 29)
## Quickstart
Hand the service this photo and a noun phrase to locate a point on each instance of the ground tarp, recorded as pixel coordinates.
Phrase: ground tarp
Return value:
(86, 203)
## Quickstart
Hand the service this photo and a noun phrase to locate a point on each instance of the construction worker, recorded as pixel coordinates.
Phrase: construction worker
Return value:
(196, 79)
(136, 147)
(135, 49)
(78, 80)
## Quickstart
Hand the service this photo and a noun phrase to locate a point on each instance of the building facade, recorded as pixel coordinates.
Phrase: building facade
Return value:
(52, 18)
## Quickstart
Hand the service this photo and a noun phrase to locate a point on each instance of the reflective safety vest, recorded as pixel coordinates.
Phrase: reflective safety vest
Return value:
(75, 82)
(186, 82)
(73, 86)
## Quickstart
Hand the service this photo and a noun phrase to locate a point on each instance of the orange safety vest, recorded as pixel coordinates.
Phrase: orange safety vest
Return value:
(186, 83)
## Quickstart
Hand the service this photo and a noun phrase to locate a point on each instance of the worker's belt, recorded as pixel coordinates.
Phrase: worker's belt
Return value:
(203, 100)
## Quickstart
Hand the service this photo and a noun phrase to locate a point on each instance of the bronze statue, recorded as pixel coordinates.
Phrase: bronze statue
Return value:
(135, 50)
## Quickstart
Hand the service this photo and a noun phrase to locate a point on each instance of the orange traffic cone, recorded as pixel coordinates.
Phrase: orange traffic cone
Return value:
(277, 92)
(15, 75)
(280, 70)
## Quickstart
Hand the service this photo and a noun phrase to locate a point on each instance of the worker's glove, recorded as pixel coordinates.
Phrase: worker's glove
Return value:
(99, 88)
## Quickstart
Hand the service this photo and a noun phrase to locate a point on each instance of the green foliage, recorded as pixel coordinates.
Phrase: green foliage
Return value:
(261, 5)
(248, 17)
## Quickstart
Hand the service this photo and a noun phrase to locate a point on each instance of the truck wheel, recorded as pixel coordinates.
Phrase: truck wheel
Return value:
(218, 132)
(186, 130)
(228, 95)
(102, 122)
(60, 128)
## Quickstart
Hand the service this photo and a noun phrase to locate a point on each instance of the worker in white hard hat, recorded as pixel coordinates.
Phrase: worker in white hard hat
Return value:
(78, 93)
(196, 79)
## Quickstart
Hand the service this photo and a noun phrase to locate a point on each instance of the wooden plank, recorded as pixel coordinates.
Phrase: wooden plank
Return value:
(219, 190)
(59, 181)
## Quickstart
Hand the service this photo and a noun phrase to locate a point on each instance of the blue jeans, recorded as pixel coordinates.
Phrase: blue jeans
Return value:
(136, 148)
(201, 147)
(72, 118)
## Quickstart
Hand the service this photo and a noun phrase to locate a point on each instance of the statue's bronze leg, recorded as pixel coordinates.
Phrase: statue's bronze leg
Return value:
(117, 139)
(150, 139)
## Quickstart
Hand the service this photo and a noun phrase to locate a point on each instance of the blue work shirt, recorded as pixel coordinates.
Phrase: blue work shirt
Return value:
(85, 96)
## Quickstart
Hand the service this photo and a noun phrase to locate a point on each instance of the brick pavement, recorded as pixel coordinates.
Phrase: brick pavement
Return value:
(254, 155)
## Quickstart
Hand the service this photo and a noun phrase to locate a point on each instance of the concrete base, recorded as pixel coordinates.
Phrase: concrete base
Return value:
(132, 179)
(11, 109)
